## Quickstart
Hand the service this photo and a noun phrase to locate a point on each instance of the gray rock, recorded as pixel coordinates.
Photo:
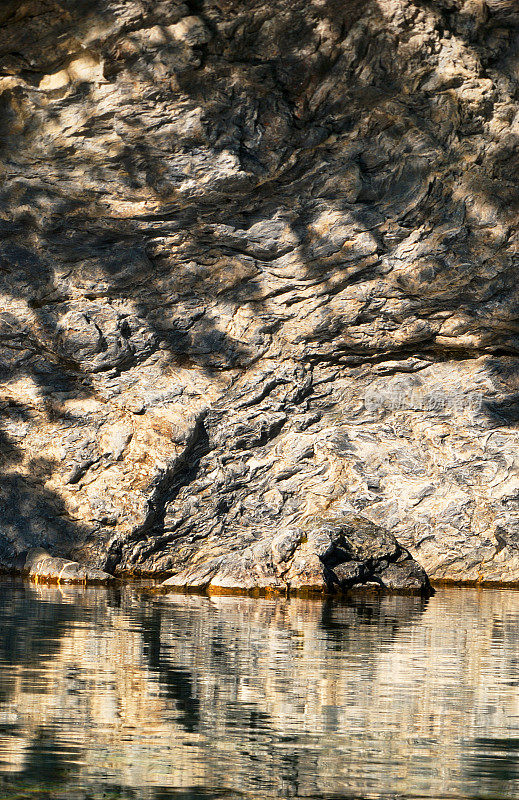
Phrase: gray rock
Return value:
(326, 556)
(262, 260)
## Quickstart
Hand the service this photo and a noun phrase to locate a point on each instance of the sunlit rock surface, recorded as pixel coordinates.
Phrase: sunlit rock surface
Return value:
(41, 567)
(258, 266)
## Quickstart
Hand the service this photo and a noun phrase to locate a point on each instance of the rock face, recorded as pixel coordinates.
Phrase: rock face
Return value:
(258, 267)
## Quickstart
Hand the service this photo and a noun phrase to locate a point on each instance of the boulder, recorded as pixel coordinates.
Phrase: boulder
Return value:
(41, 567)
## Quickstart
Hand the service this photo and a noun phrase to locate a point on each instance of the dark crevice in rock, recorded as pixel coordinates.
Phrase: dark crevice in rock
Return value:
(137, 546)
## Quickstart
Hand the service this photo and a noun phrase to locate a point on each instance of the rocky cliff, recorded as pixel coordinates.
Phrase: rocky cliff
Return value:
(258, 266)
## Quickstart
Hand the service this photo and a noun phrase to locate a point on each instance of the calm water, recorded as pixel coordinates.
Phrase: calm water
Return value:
(109, 694)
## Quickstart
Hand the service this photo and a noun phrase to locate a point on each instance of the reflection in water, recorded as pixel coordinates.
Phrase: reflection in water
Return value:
(105, 693)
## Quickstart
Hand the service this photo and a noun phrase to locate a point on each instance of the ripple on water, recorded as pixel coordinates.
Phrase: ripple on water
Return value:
(105, 693)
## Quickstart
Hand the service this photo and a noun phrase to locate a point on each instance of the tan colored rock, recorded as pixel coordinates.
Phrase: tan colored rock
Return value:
(258, 267)
(84, 68)
(191, 30)
(44, 568)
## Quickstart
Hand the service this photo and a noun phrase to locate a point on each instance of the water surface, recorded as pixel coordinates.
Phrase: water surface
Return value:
(106, 693)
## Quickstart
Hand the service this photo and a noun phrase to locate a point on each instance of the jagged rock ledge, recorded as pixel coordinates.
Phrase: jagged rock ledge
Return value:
(320, 557)
(324, 556)
(333, 559)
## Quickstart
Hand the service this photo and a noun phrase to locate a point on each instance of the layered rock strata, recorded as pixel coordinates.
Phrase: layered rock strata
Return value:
(258, 279)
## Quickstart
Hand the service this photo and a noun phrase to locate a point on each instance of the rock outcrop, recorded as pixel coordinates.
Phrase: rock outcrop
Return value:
(41, 567)
(324, 557)
(258, 266)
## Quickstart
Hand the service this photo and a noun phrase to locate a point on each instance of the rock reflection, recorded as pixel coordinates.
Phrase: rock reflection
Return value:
(106, 693)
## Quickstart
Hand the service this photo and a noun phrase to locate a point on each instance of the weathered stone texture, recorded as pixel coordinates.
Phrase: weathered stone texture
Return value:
(41, 567)
(258, 271)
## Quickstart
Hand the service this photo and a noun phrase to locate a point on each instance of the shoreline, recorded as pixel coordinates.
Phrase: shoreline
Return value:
(154, 584)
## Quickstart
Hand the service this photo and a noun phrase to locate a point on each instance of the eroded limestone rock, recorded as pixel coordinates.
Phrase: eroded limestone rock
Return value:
(258, 267)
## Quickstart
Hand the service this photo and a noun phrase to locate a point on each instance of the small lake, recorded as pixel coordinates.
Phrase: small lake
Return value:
(109, 693)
